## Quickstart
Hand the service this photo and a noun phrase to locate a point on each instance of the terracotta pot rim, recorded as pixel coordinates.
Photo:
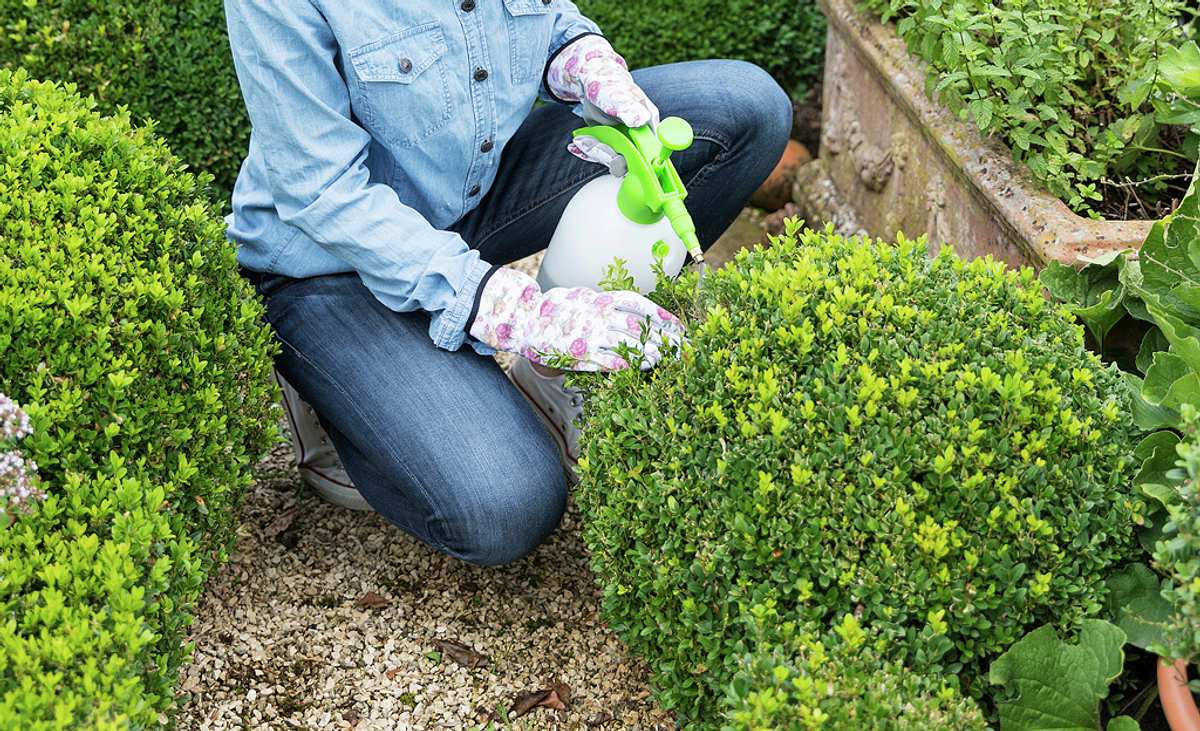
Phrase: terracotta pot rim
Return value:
(1179, 705)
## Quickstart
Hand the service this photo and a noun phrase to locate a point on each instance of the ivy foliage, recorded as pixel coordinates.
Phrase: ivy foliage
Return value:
(142, 361)
(1073, 88)
(856, 428)
(165, 60)
(786, 39)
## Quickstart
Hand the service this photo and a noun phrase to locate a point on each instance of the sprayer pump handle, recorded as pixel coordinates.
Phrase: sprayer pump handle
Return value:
(675, 134)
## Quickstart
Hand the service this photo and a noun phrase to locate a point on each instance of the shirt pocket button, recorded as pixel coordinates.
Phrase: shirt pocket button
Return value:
(405, 65)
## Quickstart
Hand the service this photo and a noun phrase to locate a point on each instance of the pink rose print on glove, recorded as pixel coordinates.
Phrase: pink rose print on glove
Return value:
(584, 329)
(590, 69)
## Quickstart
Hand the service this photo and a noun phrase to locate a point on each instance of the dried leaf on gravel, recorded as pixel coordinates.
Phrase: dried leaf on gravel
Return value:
(281, 523)
(371, 600)
(556, 698)
(600, 719)
(461, 654)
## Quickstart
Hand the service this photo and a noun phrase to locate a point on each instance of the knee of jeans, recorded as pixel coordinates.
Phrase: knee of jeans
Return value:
(758, 111)
(512, 515)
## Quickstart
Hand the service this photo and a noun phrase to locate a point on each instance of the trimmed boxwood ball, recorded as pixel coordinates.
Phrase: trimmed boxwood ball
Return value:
(166, 60)
(857, 428)
(141, 358)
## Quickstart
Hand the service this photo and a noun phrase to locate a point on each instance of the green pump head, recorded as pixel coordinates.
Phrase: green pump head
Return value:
(652, 188)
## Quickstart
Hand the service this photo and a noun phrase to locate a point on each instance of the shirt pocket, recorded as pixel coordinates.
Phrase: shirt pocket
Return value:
(529, 25)
(403, 89)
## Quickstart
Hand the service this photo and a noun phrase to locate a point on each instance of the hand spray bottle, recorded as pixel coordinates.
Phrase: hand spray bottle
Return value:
(639, 217)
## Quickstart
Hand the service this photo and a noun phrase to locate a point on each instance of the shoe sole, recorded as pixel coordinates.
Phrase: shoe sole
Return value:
(571, 466)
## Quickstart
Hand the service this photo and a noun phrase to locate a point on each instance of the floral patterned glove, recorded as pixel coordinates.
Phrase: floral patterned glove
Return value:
(591, 72)
(573, 328)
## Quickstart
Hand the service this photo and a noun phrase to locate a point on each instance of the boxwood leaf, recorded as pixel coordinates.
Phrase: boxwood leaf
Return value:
(1056, 685)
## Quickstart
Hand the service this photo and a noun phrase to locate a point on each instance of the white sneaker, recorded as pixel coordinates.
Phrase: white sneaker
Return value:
(316, 459)
(559, 407)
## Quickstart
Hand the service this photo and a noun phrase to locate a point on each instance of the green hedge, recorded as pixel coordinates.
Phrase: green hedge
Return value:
(140, 356)
(1073, 88)
(166, 60)
(856, 428)
(784, 37)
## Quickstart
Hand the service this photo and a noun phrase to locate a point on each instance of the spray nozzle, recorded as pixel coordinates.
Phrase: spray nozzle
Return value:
(651, 188)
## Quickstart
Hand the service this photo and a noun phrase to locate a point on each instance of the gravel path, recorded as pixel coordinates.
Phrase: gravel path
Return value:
(329, 619)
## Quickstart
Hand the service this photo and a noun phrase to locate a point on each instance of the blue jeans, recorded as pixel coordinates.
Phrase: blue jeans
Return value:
(440, 443)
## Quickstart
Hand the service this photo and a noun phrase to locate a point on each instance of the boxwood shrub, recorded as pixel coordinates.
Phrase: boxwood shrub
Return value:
(167, 60)
(787, 39)
(140, 357)
(857, 428)
(836, 681)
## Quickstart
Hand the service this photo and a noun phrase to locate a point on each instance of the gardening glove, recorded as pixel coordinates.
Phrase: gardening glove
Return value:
(572, 328)
(589, 71)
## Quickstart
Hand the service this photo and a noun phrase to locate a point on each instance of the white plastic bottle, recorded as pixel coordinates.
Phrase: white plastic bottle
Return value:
(638, 218)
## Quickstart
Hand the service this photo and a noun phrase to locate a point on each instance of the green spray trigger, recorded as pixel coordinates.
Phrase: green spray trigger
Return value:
(651, 188)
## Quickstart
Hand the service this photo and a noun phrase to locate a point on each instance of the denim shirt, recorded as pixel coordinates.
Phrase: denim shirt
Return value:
(375, 126)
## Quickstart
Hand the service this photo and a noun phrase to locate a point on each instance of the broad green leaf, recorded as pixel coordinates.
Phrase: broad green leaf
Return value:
(1064, 283)
(1152, 342)
(1166, 368)
(1181, 68)
(1136, 605)
(1095, 293)
(1158, 455)
(1134, 93)
(1146, 415)
(1123, 723)
(1160, 441)
(1186, 390)
(1151, 532)
(1100, 317)
(1056, 685)
(1184, 339)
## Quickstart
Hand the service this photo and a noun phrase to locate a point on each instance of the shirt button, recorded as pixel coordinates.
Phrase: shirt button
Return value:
(481, 74)
(546, 2)
(486, 146)
(468, 6)
(474, 191)
(405, 65)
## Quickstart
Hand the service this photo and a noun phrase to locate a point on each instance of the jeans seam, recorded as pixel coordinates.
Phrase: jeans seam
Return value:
(353, 405)
(718, 159)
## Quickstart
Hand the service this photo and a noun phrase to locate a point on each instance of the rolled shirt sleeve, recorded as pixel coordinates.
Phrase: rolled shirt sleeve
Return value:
(569, 24)
(315, 155)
